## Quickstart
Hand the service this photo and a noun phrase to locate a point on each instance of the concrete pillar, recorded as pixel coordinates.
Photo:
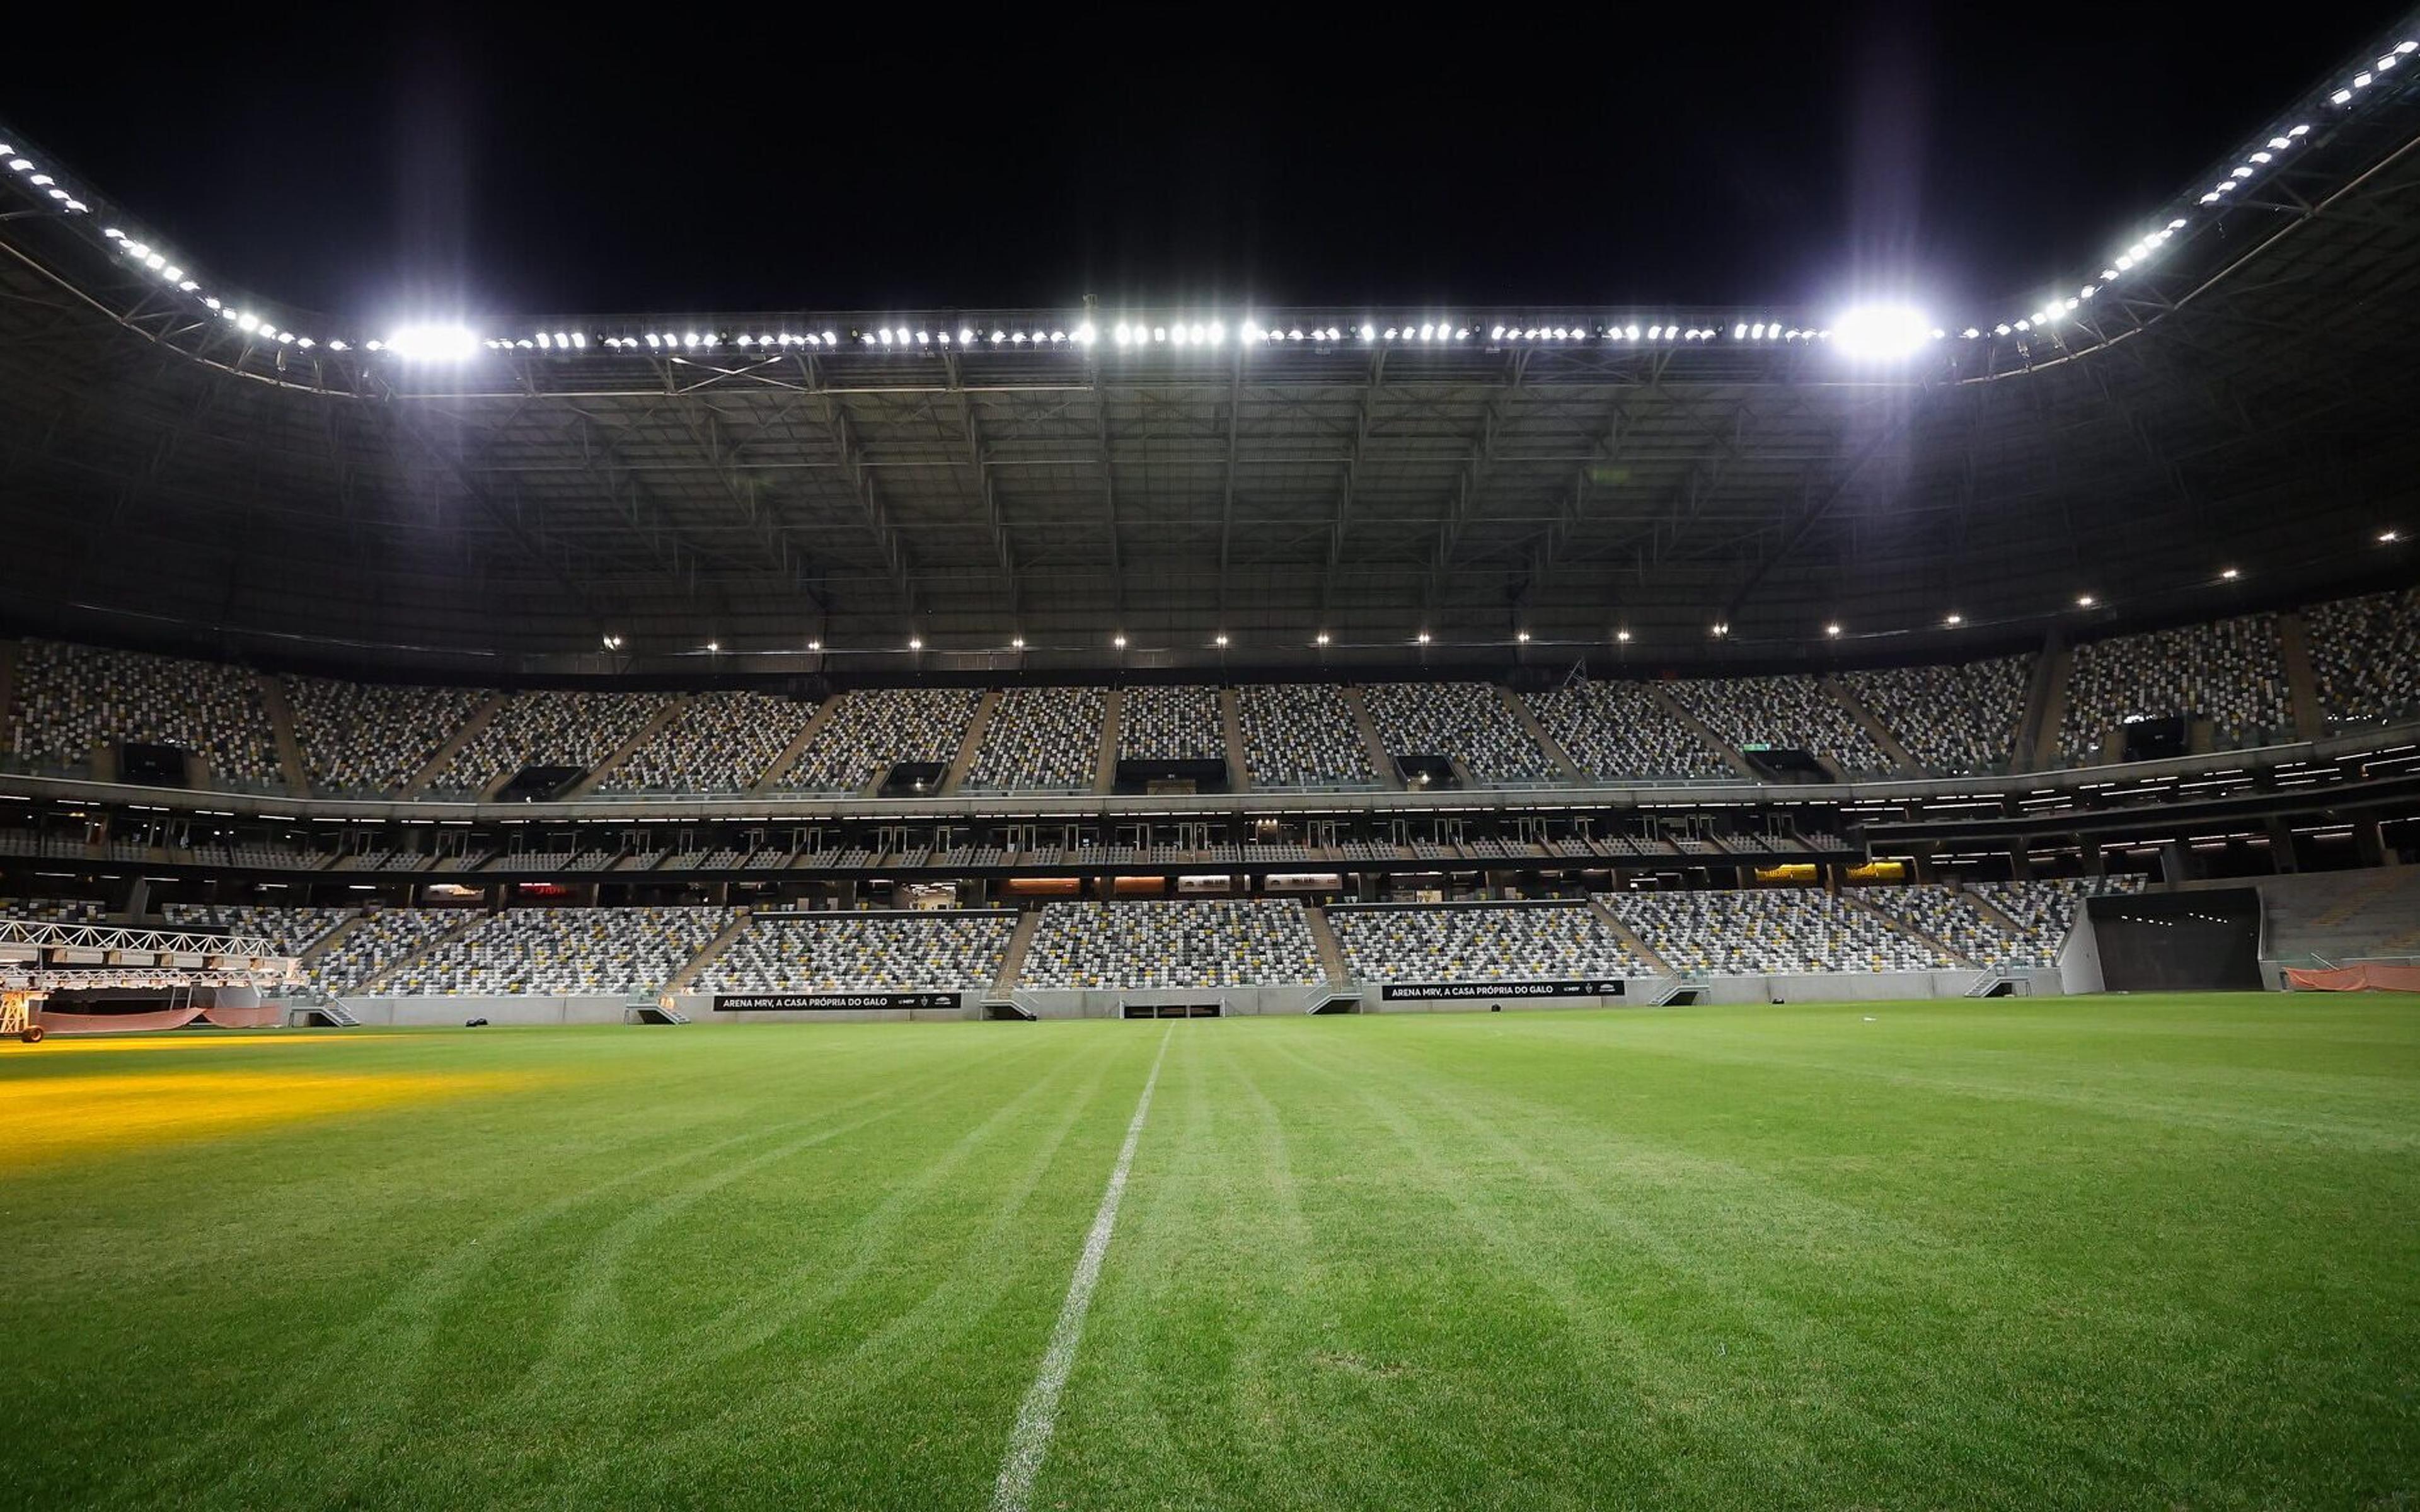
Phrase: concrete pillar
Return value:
(138, 899)
(2280, 845)
(2093, 865)
(2369, 842)
(2176, 862)
(2021, 863)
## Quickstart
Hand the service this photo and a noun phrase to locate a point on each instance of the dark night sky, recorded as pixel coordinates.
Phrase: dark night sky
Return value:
(379, 166)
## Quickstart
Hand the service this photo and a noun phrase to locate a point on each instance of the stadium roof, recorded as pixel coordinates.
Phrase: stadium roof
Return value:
(2221, 410)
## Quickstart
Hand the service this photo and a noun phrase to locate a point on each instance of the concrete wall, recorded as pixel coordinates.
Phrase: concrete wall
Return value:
(1822, 987)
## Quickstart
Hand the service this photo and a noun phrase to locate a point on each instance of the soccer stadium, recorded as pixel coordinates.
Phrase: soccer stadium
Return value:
(1168, 901)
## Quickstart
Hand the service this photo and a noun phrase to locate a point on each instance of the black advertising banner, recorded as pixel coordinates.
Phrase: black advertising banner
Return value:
(828, 1002)
(1431, 991)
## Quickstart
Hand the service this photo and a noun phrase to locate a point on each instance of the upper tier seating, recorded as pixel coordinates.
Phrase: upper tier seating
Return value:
(1205, 943)
(551, 952)
(2366, 659)
(372, 737)
(1480, 943)
(1172, 724)
(1769, 930)
(2229, 671)
(872, 730)
(1301, 735)
(549, 728)
(721, 743)
(70, 701)
(1618, 732)
(1468, 721)
(1040, 738)
(1795, 713)
(1956, 721)
(863, 952)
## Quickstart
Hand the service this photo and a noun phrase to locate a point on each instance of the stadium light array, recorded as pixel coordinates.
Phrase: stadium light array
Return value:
(1867, 334)
(1882, 332)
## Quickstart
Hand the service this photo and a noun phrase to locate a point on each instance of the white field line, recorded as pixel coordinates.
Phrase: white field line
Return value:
(1039, 1413)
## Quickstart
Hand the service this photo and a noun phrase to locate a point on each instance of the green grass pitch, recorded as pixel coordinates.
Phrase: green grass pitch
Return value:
(2112, 1253)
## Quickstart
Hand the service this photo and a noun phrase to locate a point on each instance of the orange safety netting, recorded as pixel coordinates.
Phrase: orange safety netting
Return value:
(2356, 980)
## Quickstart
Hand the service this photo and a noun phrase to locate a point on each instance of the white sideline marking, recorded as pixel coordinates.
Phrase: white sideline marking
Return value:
(1039, 1413)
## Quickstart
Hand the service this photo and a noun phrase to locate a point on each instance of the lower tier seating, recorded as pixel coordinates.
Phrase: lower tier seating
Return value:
(551, 952)
(1474, 942)
(932, 950)
(1208, 943)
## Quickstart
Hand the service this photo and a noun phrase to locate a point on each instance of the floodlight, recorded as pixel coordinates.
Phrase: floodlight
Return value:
(433, 343)
(1881, 333)
(1321, 637)
(1623, 636)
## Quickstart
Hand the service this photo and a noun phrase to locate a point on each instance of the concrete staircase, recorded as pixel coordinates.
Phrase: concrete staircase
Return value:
(372, 986)
(1900, 926)
(1331, 954)
(1113, 715)
(1872, 723)
(1013, 959)
(715, 946)
(281, 725)
(1991, 913)
(797, 748)
(1381, 759)
(480, 718)
(2294, 649)
(1519, 707)
(1697, 727)
(2046, 710)
(663, 720)
(964, 762)
(1630, 940)
(1231, 723)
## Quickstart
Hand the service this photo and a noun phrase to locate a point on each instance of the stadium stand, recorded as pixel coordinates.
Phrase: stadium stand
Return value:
(551, 952)
(876, 728)
(2366, 659)
(73, 699)
(1459, 943)
(1797, 712)
(931, 950)
(293, 931)
(361, 738)
(721, 743)
(1301, 735)
(2045, 911)
(1619, 732)
(2229, 671)
(53, 910)
(1764, 931)
(550, 728)
(1208, 943)
(1467, 721)
(1170, 724)
(2334, 918)
(1957, 720)
(1041, 739)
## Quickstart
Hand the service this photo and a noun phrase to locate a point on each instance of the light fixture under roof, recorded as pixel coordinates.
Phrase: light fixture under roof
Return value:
(2228, 575)
(1953, 618)
(1321, 639)
(1119, 640)
(1881, 333)
(915, 643)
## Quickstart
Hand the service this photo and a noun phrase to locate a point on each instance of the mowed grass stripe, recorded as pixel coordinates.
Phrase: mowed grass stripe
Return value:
(2095, 1253)
(1943, 1298)
(434, 1402)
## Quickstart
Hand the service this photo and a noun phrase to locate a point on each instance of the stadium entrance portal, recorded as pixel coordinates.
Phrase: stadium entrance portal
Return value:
(1171, 1010)
(1160, 777)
